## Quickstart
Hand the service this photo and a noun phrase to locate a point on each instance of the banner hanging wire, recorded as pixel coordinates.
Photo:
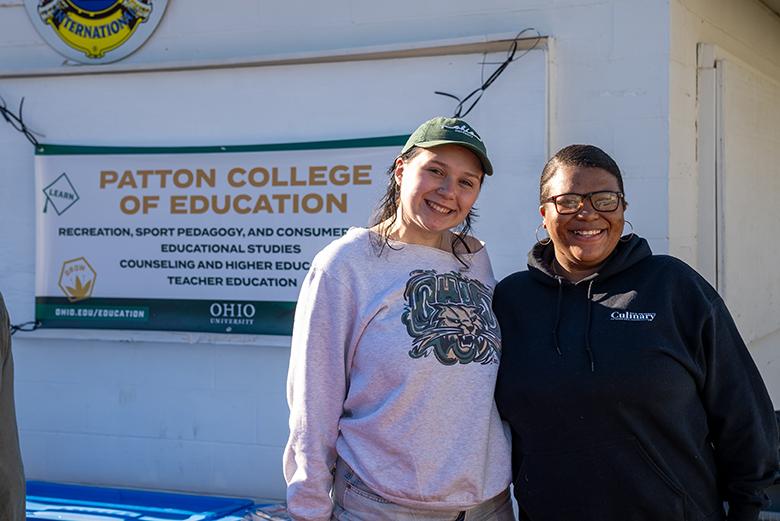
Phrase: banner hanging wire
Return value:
(32, 325)
(17, 121)
(476, 94)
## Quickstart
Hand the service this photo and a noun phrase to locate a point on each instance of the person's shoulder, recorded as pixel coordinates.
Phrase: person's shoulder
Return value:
(672, 266)
(5, 330)
(679, 276)
(470, 244)
(668, 262)
(352, 246)
(512, 282)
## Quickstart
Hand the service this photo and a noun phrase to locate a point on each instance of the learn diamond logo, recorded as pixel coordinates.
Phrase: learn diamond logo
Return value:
(77, 279)
(61, 194)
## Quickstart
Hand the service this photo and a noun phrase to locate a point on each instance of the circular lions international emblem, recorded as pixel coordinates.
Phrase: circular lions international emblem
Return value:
(95, 31)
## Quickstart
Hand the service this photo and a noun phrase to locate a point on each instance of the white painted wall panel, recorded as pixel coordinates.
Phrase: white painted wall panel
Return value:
(178, 416)
(608, 86)
(749, 33)
(750, 190)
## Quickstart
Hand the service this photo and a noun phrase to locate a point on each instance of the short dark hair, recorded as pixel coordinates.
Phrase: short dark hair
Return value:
(578, 155)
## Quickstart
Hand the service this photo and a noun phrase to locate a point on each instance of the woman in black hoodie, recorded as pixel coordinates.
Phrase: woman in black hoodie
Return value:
(630, 394)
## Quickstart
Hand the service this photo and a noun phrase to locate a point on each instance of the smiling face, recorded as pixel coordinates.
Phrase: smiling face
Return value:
(582, 240)
(438, 187)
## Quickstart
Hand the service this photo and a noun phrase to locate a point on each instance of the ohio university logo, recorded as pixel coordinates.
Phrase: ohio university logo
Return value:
(231, 314)
(95, 31)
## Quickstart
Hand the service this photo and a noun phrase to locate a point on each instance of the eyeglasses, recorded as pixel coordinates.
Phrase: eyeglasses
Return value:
(604, 201)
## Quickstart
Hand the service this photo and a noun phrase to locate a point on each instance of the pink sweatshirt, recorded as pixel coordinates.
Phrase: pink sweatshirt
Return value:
(392, 368)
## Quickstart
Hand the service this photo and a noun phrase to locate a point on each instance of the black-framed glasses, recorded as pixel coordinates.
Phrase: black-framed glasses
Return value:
(601, 201)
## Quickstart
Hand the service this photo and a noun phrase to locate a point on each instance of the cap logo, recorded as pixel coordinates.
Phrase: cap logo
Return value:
(463, 129)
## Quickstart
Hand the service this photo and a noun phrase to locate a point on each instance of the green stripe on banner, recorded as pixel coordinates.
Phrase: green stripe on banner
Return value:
(70, 150)
(211, 316)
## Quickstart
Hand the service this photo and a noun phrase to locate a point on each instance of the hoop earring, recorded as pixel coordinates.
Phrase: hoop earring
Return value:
(630, 236)
(546, 240)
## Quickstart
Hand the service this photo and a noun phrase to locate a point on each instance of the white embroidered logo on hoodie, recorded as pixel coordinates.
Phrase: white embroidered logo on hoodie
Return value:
(630, 316)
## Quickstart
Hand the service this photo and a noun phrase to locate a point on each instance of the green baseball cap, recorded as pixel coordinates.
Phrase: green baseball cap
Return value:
(449, 131)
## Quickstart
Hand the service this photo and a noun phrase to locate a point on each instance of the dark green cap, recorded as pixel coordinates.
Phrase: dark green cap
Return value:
(449, 131)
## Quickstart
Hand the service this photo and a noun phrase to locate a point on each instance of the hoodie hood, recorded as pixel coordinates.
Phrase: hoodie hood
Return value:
(540, 264)
(626, 254)
(674, 418)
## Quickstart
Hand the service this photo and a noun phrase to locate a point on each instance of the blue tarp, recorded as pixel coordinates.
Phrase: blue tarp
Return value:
(81, 503)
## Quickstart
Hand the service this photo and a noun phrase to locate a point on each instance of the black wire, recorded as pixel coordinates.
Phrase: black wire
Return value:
(17, 121)
(493, 77)
(32, 325)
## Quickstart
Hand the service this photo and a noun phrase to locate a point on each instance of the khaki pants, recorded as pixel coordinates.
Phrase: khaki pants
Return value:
(354, 501)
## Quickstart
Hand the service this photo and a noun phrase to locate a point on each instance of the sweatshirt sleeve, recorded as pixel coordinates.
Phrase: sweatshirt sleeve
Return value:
(316, 389)
(743, 429)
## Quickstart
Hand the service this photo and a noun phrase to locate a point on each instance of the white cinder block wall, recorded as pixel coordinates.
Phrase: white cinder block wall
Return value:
(749, 33)
(211, 418)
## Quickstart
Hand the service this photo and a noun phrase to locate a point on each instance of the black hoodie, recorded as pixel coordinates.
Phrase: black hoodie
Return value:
(630, 395)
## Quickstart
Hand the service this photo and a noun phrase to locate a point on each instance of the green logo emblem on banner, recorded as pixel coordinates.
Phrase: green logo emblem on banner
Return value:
(77, 279)
(60, 194)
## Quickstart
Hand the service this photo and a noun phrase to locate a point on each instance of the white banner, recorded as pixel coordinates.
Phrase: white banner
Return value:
(194, 239)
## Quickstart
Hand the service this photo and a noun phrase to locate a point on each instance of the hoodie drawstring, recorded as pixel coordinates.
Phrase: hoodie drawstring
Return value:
(587, 330)
(556, 342)
(558, 317)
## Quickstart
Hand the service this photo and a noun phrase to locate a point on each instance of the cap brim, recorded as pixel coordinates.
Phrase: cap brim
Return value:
(486, 165)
